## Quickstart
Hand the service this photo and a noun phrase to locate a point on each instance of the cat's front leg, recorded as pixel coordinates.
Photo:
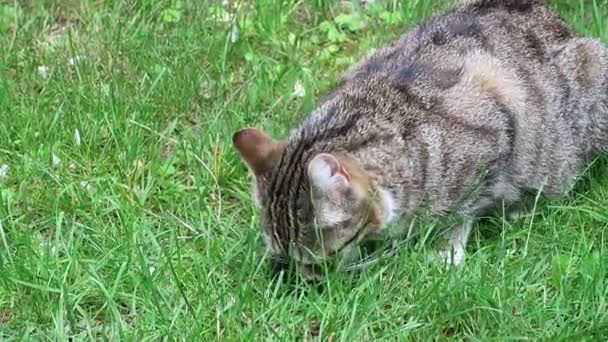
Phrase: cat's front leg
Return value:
(454, 250)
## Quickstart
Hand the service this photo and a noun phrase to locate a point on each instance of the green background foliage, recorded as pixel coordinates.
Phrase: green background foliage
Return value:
(125, 212)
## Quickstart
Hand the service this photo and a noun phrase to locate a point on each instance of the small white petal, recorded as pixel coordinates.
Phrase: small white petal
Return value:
(298, 89)
(43, 71)
(47, 247)
(225, 17)
(72, 167)
(151, 270)
(74, 60)
(234, 34)
(230, 302)
(77, 140)
(85, 185)
(4, 169)
(55, 160)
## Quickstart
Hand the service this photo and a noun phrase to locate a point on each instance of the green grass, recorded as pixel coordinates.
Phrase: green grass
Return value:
(144, 228)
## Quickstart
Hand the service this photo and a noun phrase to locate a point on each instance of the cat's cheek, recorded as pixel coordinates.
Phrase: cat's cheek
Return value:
(389, 207)
(375, 234)
(256, 194)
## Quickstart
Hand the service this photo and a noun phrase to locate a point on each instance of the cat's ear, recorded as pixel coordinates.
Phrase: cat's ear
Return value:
(328, 176)
(258, 150)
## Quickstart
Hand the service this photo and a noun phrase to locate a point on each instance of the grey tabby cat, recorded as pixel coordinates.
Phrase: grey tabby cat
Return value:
(497, 89)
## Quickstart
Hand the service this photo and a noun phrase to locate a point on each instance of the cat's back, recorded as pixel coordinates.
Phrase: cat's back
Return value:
(470, 88)
(521, 31)
(490, 85)
(478, 56)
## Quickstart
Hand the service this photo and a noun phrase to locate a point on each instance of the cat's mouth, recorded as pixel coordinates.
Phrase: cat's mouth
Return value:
(369, 253)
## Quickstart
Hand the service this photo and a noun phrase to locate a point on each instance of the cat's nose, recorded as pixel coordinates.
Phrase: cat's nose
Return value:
(312, 273)
(286, 272)
(279, 267)
(282, 270)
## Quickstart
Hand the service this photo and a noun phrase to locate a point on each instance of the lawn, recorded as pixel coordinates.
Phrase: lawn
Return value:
(125, 213)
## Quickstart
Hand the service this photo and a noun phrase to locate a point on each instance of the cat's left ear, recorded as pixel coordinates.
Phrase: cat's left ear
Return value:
(257, 149)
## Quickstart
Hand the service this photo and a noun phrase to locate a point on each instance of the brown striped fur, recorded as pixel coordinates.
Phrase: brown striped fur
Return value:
(498, 88)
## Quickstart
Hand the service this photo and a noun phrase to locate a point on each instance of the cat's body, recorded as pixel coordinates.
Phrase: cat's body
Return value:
(473, 108)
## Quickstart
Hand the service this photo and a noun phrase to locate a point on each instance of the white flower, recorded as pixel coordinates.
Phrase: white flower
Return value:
(72, 167)
(230, 302)
(85, 185)
(151, 270)
(222, 15)
(77, 140)
(43, 71)
(234, 34)
(47, 246)
(299, 90)
(55, 160)
(136, 189)
(4, 169)
(225, 17)
(73, 60)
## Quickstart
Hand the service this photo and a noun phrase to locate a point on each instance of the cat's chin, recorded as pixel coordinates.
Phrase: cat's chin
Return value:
(286, 273)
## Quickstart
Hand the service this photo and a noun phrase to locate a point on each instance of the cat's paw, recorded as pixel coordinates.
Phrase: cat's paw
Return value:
(452, 256)
(517, 215)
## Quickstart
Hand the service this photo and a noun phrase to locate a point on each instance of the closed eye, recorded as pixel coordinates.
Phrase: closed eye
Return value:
(344, 223)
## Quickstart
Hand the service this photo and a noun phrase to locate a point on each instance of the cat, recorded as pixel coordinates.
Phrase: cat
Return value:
(501, 94)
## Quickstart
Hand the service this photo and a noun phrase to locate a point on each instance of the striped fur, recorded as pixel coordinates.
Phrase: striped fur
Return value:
(501, 90)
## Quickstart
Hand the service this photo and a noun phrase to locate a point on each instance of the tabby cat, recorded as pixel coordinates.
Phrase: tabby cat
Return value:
(500, 93)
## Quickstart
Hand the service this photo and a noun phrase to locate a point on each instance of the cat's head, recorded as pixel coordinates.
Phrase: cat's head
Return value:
(316, 207)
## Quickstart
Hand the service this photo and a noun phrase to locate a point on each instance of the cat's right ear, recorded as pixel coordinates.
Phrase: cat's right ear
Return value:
(258, 150)
(328, 176)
